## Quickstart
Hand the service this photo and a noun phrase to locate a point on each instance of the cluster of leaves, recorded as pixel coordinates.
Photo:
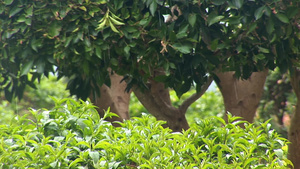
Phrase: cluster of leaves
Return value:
(72, 135)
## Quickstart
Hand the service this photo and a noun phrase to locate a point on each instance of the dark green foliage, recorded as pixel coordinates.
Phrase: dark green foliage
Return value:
(72, 135)
(85, 37)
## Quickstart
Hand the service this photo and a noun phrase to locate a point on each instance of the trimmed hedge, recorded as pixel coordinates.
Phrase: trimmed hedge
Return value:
(72, 135)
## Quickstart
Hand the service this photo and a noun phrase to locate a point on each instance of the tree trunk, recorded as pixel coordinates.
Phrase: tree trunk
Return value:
(114, 97)
(294, 131)
(160, 108)
(242, 97)
(157, 101)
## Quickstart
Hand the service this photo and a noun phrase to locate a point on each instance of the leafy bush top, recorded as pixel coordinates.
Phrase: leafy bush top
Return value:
(72, 135)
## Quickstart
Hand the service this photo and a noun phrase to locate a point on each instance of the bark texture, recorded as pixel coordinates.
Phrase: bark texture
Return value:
(114, 97)
(294, 131)
(157, 101)
(242, 97)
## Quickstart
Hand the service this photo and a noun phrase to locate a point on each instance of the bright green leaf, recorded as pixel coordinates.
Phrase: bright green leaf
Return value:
(95, 156)
(279, 153)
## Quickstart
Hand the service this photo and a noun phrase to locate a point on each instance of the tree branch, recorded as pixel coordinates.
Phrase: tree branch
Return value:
(186, 104)
(150, 103)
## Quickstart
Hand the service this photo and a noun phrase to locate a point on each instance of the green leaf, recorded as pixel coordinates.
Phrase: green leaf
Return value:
(98, 52)
(263, 50)
(192, 19)
(259, 12)
(36, 43)
(213, 18)
(95, 156)
(270, 26)
(26, 68)
(153, 7)
(260, 56)
(126, 50)
(182, 32)
(214, 44)
(54, 29)
(279, 153)
(237, 3)
(182, 48)
(114, 62)
(8, 2)
(14, 11)
(282, 17)
(252, 28)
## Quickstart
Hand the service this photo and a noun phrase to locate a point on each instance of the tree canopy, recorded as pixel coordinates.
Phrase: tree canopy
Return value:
(133, 38)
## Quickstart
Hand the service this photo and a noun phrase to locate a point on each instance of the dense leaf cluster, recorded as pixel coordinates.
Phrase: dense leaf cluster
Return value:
(72, 135)
(84, 38)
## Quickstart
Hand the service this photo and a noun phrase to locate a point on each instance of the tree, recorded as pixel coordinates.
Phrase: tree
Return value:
(87, 39)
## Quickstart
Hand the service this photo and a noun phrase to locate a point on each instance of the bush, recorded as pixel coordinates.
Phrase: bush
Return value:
(72, 135)
(36, 98)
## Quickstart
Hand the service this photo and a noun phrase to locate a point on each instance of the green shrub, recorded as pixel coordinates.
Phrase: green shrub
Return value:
(35, 98)
(72, 135)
